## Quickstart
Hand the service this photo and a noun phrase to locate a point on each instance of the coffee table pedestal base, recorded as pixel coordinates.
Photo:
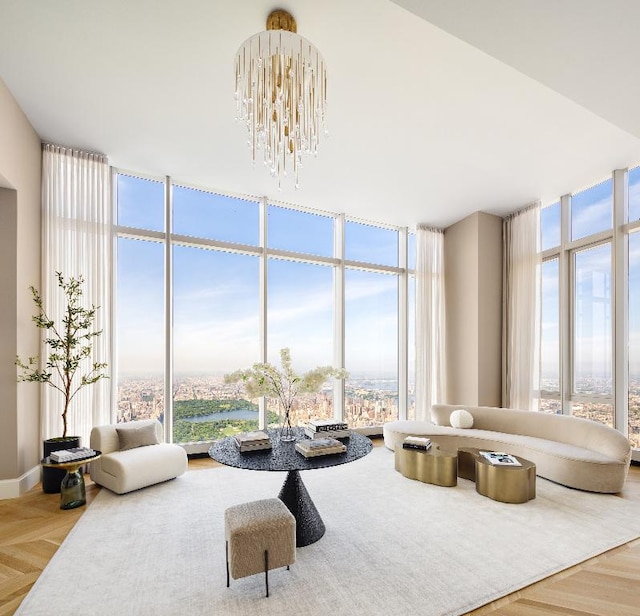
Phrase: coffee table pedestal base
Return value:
(432, 466)
(507, 484)
(309, 524)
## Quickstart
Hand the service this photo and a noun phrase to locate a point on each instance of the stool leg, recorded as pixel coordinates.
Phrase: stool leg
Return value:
(226, 553)
(266, 570)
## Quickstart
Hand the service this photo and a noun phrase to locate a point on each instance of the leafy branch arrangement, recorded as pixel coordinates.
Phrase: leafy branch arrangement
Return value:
(69, 342)
(264, 379)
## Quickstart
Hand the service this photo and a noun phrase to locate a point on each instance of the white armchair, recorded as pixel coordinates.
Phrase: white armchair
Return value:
(134, 456)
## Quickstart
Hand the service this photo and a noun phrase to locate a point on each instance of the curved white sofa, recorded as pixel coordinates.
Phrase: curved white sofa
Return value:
(132, 469)
(574, 452)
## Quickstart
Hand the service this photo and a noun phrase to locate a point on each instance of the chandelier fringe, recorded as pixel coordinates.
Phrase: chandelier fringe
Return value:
(281, 96)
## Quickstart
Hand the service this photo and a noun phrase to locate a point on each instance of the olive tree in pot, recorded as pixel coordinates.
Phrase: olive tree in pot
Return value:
(65, 366)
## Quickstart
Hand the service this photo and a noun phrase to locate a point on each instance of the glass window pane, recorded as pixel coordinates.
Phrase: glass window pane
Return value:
(595, 411)
(634, 194)
(371, 348)
(550, 405)
(140, 203)
(298, 231)
(216, 217)
(216, 331)
(300, 318)
(140, 330)
(370, 244)
(592, 357)
(592, 210)
(634, 339)
(550, 334)
(550, 225)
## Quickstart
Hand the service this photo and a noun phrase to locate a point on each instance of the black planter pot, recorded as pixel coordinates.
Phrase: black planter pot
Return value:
(52, 477)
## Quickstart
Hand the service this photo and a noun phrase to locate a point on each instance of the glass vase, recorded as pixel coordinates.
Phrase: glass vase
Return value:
(287, 432)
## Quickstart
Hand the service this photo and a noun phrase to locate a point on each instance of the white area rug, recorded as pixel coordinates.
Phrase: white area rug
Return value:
(392, 546)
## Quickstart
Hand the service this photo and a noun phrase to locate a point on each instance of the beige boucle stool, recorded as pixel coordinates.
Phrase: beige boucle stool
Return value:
(260, 535)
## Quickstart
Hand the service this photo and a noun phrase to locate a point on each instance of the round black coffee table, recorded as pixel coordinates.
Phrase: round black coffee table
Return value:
(284, 457)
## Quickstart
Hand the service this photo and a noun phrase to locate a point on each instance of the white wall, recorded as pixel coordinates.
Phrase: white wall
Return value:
(473, 290)
(20, 238)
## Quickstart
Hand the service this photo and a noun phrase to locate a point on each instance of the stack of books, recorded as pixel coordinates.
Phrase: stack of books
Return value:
(71, 455)
(326, 428)
(310, 448)
(421, 443)
(252, 441)
(499, 458)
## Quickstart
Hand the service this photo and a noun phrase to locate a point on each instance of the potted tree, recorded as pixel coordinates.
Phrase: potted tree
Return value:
(64, 367)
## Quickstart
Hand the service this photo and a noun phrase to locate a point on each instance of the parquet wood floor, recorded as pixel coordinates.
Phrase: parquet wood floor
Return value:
(32, 527)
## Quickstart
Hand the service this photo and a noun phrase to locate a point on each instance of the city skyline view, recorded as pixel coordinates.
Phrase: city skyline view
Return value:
(218, 268)
(217, 273)
(219, 409)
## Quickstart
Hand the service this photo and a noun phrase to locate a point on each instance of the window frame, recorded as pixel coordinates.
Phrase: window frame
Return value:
(337, 261)
(618, 237)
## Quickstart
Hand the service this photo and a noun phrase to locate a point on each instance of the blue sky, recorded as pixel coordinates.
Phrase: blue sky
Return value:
(216, 294)
(591, 212)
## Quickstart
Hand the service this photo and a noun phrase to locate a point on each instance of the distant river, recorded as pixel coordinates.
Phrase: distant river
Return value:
(237, 414)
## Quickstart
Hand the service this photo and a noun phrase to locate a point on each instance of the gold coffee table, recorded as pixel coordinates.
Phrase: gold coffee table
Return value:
(507, 484)
(431, 466)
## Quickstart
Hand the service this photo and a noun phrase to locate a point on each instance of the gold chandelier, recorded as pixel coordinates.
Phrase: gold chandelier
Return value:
(281, 95)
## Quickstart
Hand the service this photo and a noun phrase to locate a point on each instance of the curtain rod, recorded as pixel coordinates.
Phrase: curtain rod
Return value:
(522, 210)
(427, 227)
(73, 151)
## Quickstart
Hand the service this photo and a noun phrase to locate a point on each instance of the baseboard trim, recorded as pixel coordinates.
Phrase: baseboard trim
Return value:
(197, 449)
(12, 488)
(370, 431)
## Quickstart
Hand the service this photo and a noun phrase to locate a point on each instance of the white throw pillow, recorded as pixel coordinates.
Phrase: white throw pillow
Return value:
(461, 419)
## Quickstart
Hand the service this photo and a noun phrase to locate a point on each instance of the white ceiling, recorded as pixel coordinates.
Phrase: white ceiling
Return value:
(536, 98)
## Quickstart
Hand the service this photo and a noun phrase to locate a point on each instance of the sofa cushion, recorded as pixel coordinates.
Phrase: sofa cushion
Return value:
(124, 471)
(134, 435)
(461, 419)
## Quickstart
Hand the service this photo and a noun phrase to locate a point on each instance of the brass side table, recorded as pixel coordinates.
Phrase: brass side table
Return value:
(72, 489)
(507, 484)
(431, 466)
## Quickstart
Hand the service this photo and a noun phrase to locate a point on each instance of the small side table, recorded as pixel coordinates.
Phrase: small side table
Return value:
(72, 489)
(431, 466)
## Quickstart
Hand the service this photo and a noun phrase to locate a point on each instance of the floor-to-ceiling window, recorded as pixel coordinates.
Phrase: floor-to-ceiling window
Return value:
(592, 382)
(371, 324)
(215, 327)
(589, 358)
(140, 299)
(210, 283)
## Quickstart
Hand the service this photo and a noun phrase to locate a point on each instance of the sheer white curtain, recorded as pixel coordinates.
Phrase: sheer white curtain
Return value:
(430, 320)
(521, 312)
(76, 241)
